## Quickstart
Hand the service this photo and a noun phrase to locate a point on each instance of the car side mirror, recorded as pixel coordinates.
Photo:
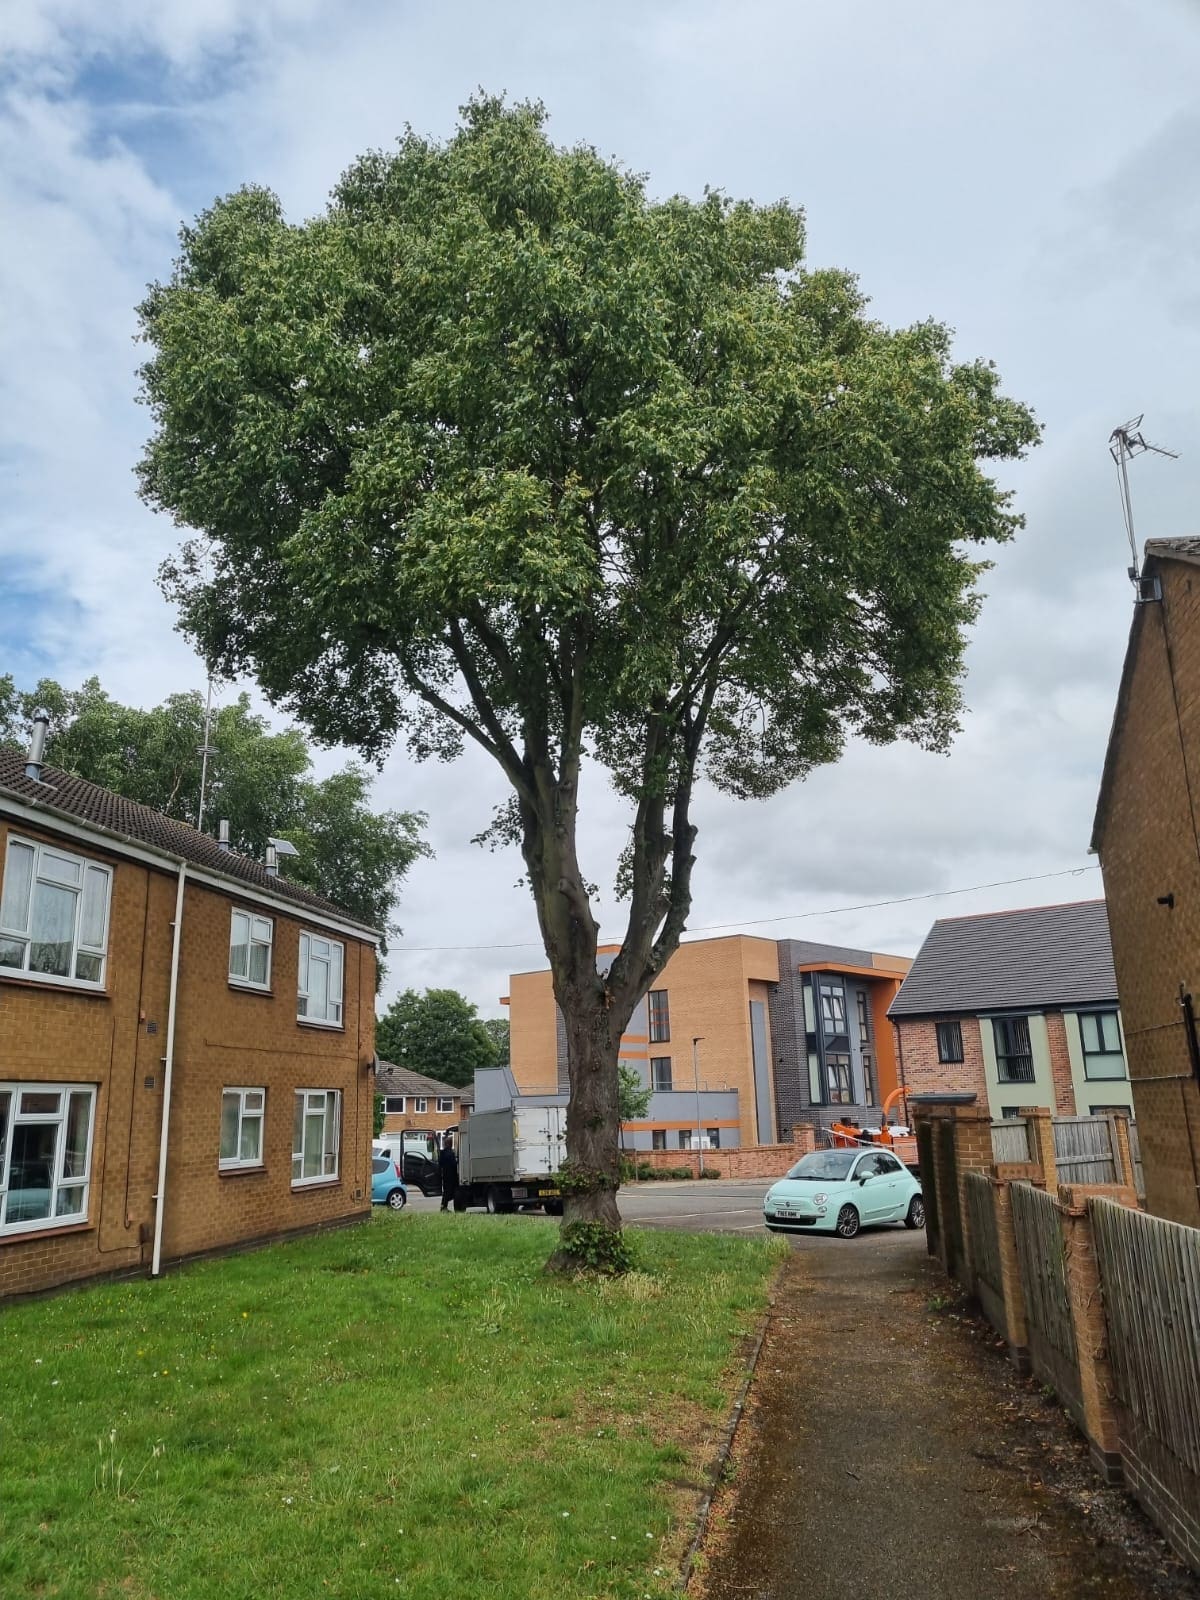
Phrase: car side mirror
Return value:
(863, 1176)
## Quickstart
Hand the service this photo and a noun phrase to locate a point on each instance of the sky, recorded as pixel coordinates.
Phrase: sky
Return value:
(1024, 173)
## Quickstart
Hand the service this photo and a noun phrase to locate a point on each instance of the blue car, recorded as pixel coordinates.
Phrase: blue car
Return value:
(387, 1186)
(840, 1191)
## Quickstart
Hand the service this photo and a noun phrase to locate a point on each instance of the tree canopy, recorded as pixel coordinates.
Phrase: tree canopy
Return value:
(438, 1033)
(260, 781)
(500, 447)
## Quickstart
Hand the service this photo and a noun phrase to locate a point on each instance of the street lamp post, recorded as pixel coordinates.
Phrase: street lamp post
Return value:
(696, 1043)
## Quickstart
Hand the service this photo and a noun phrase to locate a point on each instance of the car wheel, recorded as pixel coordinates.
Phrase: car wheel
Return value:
(847, 1222)
(497, 1202)
(553, 1208)
(397, 1200)
(916, 1213)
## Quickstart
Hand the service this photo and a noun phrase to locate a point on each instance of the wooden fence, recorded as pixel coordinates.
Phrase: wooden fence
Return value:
(1135, 1150)
(1037, 1231)
(1085, 1149)
(1010, 1140)
(985, 1241)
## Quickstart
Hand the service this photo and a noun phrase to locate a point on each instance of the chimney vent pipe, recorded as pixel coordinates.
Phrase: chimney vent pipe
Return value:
(37, 745)
(223, 833)
(272, 862)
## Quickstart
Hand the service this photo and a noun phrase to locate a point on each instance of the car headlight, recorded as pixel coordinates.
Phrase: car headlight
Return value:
(820, 1198)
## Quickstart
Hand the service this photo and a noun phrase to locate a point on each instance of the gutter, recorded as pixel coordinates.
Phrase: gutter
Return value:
(160, 1198)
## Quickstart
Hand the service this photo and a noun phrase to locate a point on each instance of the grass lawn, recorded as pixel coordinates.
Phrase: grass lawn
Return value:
(409, 1408)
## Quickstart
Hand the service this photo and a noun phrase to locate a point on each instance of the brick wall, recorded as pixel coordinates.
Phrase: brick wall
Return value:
(923, 1073)
(1060, 1065)
(116, 1039)
(746, 1161)
(1148, 849)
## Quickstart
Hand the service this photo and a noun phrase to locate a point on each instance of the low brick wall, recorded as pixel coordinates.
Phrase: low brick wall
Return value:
(743, 1161)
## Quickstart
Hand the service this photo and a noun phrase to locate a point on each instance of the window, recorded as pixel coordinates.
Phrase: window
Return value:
(833, 1009)
(660, 1074)
(864, 1022)
(660, 1017)
(658, 1138)
(685, 1138)
(320, 986)
(868, 1070)
(887, 1164)
(45, 1154)
(315, 1129)
(54, 914)
(1008, 1112)
(1100, 1032)
(420, 1106)
(250, 950)
(445, 1102)
(714, 1138)
(837, 1074)
(1014, 1052)
(394, 1104)
(242, 1113)
(949, 1041)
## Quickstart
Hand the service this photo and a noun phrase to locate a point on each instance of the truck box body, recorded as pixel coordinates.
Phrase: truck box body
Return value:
(512, 1146)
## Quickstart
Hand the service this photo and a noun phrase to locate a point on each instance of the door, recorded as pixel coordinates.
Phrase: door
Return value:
(873, 1195)
(892, 1185)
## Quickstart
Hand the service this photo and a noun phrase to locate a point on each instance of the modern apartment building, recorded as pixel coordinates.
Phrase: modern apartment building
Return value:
(1019, 1007)
(186, 1040)
(739, 1039)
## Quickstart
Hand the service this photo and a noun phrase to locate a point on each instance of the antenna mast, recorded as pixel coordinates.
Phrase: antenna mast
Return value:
(206, 749)
(1124, 443)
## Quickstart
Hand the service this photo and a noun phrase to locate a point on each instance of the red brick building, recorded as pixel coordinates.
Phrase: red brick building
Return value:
(1019, 1007)
(137, 953)
(411, 1100)
(1147, 834)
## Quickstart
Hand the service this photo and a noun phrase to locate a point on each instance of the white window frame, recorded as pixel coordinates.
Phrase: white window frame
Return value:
(315, 947)
(255, 938)
(310, 1103)
(444, 1103)
(246, 1114)
(420, 1105)
(22, 932)
(395, 1105)
(12, 1116)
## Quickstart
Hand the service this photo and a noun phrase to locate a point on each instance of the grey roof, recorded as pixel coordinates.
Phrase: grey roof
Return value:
(391, 1079)
(66, 795)
(1047, 956)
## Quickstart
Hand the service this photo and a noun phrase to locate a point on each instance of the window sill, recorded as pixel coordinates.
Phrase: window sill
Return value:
(16, 1235)
(242, 987)
(315, 1022)
(304, 1184)
(31, 980)
(246, 1171)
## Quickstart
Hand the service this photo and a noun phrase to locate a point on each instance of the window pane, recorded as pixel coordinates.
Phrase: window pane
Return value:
(262, 930)
(1090, 1032)
(1105, 1066)
(88, 968)
(254, 1099)
(393, 1103)
(258, 963)
(1110, 1031)
(53, 929)
(302, 965)
(335, 977)
(5, 1105)
(318, 988)
(251, 1145)
(79, 1119)
(95, 904)
(18, 877)
(239, 945)
(59, 869)
(40, 1103)
(31, 1173)
(230, 1108)
(12, 953)
(71, 1200)
(314, 1136)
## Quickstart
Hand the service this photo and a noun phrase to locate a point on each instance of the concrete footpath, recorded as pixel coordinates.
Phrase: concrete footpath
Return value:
(888, 1452)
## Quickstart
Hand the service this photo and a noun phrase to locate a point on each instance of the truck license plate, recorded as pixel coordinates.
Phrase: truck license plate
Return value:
(553, 1193)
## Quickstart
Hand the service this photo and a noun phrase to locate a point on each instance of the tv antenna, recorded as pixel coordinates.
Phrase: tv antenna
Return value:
(1124, 443)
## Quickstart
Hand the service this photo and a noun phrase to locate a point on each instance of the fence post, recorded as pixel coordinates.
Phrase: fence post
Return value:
(1040, 1123)
(1122, 1149)
(1010, 1272)
(804, 1137)
(1086, 1301)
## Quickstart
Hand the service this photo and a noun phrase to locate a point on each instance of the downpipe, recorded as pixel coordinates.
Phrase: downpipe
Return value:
(160, 1198)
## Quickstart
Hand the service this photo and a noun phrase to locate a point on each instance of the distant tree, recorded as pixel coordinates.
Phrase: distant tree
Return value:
(257, 779)
(378, 1116)
(633, 1096)
(498, 1031)
(438, 1033)
(502, 447)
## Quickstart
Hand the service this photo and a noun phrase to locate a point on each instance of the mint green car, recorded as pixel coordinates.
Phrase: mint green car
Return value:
(841, 1191)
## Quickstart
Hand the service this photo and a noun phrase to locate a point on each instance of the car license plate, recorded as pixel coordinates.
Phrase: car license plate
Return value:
(553, 1193)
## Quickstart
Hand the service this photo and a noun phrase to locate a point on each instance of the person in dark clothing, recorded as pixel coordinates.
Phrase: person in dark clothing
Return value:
(448, 1166)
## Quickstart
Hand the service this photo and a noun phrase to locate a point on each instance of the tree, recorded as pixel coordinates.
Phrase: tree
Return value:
(633, 1096)
(497, 1030)
(378, 1116)
(438, 1033)
(499, 448)
(256, 779)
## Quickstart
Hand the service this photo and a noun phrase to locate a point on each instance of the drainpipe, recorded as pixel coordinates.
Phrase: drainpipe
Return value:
(168, 1069)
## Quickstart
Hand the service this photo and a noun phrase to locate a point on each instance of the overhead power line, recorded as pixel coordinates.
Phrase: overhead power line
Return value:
(794, 916)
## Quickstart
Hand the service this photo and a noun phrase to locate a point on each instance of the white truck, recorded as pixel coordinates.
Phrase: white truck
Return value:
(511, 1158)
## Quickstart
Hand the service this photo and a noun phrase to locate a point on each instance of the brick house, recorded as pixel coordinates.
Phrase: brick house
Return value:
(1147, 835)
(142, 962)
(765, 1033)
(411, 1100)
(1019, 1007)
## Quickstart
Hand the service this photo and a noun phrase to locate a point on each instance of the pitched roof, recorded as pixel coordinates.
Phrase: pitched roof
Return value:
(1045, 956)
(87, 804)
(1155, 550)
(391, 1079)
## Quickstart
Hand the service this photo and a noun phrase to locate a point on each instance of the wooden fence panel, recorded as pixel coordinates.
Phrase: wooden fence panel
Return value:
(1084, 1150)
(1010, 1140)
(985, 1240)
(1150, 1274)
(1135, 1150)
(1043, 1273)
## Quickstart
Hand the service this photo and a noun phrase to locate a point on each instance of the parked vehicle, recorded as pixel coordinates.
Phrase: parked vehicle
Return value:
(511, 1158)
(387, 1184)
(840, 1191)
(416, 1149)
